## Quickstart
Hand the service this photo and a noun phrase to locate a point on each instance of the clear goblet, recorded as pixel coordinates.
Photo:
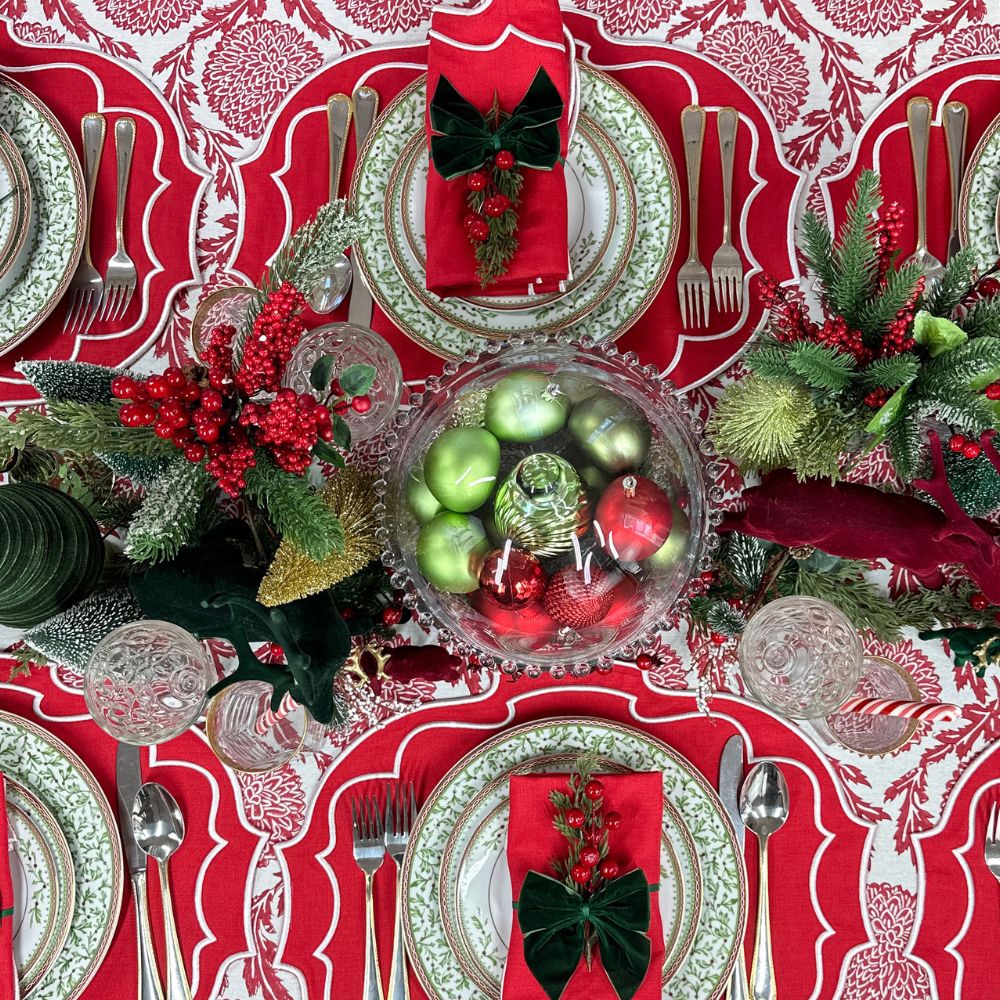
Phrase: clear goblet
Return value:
(800, 656)
(145, 682)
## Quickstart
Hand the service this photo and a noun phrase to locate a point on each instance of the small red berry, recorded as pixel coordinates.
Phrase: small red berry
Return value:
(211, 400)
(978, 602)
(477, 180)
(718, 639)
(590, 856)
(479, 230)
(348, 613)
(504, 160)
(341, 407)
(956, 442)
(989, 286)
(208, 432)
(581, 874)
(157, 387)
(175, 378)
(592, 835)
(361, 404)
(194, 452)
(392, 616)
(644, 661)
(192, 392)
(495, 206)
(609, 869)
(993, 390)
(972, 450)
(162, 429)
(593, 790)
(575, 818)
(613, 821)
(123, 387)
(143, 414)
(126, 414)
(470, 220)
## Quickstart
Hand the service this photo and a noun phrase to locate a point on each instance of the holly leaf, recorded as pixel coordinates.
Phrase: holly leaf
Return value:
(357, 380)
(327, 453)
(937, 333)
(322, 372)
(341, 432)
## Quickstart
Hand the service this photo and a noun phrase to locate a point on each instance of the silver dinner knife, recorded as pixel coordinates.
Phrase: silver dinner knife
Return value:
(365, 108)
(730, 780)
(129, 778)
(956, 122)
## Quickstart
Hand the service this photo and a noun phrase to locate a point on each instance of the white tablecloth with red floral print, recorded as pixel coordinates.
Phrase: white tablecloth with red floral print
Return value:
(820, 68)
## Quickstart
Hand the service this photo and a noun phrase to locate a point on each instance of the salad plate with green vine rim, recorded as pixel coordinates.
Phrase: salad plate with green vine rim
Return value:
(637, 276)
(718, 934)
(15, 203)
(978, 212)
(49, 770)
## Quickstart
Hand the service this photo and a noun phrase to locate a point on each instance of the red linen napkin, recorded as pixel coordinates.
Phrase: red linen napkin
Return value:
(8, 974)
(461, 47)
(532, 844)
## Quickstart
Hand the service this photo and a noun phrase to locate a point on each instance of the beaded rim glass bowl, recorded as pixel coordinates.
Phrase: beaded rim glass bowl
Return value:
(678, 459)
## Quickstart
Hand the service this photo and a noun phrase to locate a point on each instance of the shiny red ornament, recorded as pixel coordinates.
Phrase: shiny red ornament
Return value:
(580, 598)
(594, 790)
(479, 230)
(633, 518)
(590, 856)
(581, 874)
(608, 869)
(529, 627)
(574, 818)
(515, 582)
(504, 160)
(614, 821)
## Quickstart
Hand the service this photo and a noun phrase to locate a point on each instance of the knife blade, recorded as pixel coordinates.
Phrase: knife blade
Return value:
(730, 780)
(128, 772)
(365, 108)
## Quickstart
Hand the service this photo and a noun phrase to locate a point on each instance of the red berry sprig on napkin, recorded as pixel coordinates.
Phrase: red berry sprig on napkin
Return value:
(493, 195)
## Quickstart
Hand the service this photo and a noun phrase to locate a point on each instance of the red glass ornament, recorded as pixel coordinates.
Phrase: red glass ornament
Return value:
(594, 790)
(504, 160)
(608, 869)
(477, 180)
(580, 598)
(613, 821)
(590, 856)
(515, 582)
(580, 874)
(361, 404)
(529, 627)
(956, 442)
(979, 602)
(633, 518)
(574, 818)
(479, 230)
(971, 449)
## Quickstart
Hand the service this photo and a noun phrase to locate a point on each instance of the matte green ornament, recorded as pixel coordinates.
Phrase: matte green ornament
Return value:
(526, 406)
(542, 505)
(610, 432)
(450, 552)
(665, 558)
(461, 467)
(422, 502)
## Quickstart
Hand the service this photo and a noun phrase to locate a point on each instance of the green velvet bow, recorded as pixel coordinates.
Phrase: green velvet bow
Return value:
(553, 919)
(464, 138)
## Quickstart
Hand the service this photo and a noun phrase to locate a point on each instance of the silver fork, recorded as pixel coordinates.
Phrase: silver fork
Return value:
(919, 111)
(400, 816)
(121, 278)
(993, 842)
(369, 853)
(87, 288)
(727, 268)
(692, 279)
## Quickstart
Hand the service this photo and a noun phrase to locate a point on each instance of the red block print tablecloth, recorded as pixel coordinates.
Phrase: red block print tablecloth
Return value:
(890, 898)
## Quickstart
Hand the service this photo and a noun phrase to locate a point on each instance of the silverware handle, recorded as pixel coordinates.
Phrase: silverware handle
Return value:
(399, 981)
(373, 977)
(365, 108)
(739, 988)
(177, 981)
(762, 972)
(693, 131)
(93, 127)
(956, 123)
(728, 121)
(124, 146)
(918, 120)
(149, 976)
(338, 121)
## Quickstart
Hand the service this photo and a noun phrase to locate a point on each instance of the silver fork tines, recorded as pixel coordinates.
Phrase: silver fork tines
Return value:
(993, 842)
(369, 853)
(122, 277)
(727, 268)
(400, 818)
(87, 287)
(692, 279)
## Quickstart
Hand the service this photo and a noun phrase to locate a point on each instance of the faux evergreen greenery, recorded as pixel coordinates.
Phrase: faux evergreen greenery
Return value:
(69, 381)
(168, 517)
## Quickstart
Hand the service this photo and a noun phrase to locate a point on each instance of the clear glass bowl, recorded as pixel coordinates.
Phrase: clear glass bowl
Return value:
(611, 405)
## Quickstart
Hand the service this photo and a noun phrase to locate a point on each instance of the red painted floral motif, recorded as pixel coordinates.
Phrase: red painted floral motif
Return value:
(979, 40)
(32, 31)
(914, 661)
(252, 68)
(389, 18)
(633, 18)
(152, 17)
(275, 802)
(770, 66)
(869, 17)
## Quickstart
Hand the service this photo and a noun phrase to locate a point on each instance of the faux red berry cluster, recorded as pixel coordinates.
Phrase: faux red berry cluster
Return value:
(962, 445)
(288, 427)
(268, 348)
(888, 233)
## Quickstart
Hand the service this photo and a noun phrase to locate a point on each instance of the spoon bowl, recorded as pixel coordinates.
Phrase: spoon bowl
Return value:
(333, 287)
(764, 799)
(157, 821)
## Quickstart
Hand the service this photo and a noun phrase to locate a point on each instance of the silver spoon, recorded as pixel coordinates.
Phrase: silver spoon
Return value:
(159, 830)
(333, 287)
(764, 808)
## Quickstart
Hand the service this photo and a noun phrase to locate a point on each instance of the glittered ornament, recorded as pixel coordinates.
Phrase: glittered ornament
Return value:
(292, 575)
(423, 504)
(610, 432)
(542, 505)
(633, 517)
(461, 466)
(450, 552)
(582, 597)
(512, 577)
(526, 406)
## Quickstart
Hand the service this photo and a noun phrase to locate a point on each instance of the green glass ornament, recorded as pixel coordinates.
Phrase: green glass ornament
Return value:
(461, 467)
(450, 552)
(526, 406)
(666, 556)
(542, 505)
(423, 503)
(610, 432)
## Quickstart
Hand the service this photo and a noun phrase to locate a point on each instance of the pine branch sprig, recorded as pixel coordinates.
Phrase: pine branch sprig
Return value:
(890, 372)
(821, 367)
(855, 253)
(846, 588)
(70, 381)
(769, 361)
(168, 518)
(877, 312)
(949, 290)
(817, 240)
(982, 319)
(746, 559)
(957, 369)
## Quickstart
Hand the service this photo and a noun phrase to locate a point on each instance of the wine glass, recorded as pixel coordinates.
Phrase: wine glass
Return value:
(247, 735)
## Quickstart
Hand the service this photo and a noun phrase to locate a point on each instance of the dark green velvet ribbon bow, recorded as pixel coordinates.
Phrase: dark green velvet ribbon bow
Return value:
(463, 138)
(553, 918)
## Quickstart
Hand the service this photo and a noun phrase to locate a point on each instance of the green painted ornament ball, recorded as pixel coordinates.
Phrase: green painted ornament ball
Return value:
(450, 552)
(610, 432)
(526, 406)
(461, 467)
(673, 549)
(421, 501)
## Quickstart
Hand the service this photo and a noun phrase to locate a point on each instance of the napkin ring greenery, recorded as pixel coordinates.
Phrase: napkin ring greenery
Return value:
(563, 920)
(491, 150)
